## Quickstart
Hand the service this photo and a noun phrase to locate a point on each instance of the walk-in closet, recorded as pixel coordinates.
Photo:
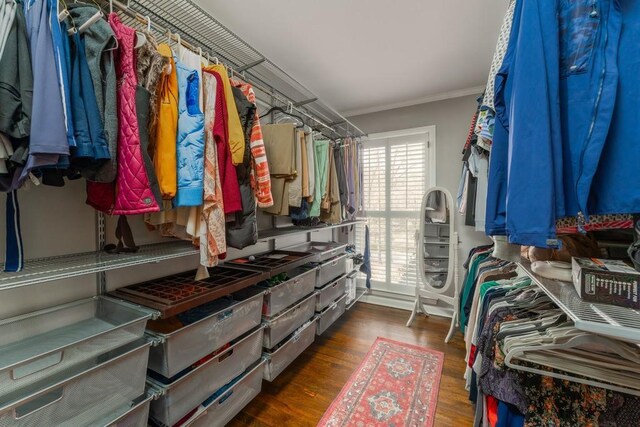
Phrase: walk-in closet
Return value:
(331, 214)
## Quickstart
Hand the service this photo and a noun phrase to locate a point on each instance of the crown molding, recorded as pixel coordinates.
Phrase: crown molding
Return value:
(424, 100)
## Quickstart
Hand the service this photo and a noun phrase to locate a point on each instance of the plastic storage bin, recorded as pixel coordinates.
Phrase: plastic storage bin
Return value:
(230, 318)
(279, 297)
(38, 345)
(331, 270)
(435, 265)
(187, 392)
(280, 326)
(230, 403)
(436, 250)
(351, 286)
(436, 280)
(331, 314)
(103, 385)
(278, 360)
(331, 292)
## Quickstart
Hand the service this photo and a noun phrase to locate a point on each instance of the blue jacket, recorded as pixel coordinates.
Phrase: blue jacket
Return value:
(190, 143)
(567, 99)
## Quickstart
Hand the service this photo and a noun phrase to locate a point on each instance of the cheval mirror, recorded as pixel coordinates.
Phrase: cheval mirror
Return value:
(436, 253)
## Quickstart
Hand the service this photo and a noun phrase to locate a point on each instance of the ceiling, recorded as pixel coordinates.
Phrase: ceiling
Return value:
(362, 56)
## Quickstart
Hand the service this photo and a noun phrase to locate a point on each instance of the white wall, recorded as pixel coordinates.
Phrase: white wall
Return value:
(452, 119)
(56, 221)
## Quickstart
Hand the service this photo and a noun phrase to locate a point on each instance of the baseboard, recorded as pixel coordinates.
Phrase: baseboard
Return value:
(403, 302)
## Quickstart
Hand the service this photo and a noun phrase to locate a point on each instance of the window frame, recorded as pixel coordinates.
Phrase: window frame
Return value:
(383, 139)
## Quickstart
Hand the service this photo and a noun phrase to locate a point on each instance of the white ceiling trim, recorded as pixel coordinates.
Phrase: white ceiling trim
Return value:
(424, 100)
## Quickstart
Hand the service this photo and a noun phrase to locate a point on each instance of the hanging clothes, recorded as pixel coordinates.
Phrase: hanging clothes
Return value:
(99, 42)
(321, 168)
(212, 235)
(311, 163)
(260, 176)
(295, 186)
(330, 208)
(7, 15)
(133, 190)
(48, 140)
(91, 148)
(243, 230)
(228, 176)
(16, 96)
(343, 189)
(236, 137)
(280, 143)
(190, 144)
(163, 145)
(302, 149)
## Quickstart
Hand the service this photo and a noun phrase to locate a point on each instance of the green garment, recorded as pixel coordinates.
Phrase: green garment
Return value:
(468, 287)
(322, 174)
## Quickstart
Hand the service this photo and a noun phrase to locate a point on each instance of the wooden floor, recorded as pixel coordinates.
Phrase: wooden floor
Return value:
(304, 391)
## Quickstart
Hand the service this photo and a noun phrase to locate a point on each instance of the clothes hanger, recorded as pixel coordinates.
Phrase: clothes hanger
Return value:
(141, 39)
(281, 110)
(95, 18)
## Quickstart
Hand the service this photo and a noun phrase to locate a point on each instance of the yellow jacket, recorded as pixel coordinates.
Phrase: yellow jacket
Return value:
(164, 151)
(236, 136)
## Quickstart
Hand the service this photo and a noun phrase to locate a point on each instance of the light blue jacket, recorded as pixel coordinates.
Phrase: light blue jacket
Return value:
(190, 143)
(567, 98)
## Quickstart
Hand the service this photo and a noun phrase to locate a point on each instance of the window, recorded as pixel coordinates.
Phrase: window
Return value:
(398, 167)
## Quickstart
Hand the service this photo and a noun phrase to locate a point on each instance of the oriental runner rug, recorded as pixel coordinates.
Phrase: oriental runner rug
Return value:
(395, 385)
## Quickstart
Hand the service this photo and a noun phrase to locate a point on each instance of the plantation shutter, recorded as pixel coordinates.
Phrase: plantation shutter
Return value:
(396, 178)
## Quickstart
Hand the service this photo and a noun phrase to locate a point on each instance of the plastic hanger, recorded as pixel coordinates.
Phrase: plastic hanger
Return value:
(569, 340)
(95, 18)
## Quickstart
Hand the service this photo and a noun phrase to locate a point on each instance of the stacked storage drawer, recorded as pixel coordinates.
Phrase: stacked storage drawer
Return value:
(288, 308)
(80, 364)
(209, 334)
(331, 261)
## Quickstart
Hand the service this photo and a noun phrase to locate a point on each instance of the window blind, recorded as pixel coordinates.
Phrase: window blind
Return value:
(395, 173)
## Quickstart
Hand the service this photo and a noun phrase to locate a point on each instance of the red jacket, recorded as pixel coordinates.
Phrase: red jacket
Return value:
(228, 178)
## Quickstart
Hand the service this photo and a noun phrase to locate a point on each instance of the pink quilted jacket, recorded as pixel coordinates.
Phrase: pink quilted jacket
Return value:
(133, 193)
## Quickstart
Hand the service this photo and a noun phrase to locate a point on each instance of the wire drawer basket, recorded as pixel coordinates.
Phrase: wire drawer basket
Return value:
(104, 384)
(39, 345)
(181, 396)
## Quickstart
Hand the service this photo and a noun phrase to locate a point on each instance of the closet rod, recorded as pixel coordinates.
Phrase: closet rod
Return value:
(286, 102)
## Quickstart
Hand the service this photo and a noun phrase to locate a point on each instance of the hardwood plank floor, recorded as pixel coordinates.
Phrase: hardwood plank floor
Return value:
(304, 391)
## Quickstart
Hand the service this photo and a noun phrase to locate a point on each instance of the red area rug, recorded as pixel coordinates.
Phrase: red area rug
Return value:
(395, 385)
